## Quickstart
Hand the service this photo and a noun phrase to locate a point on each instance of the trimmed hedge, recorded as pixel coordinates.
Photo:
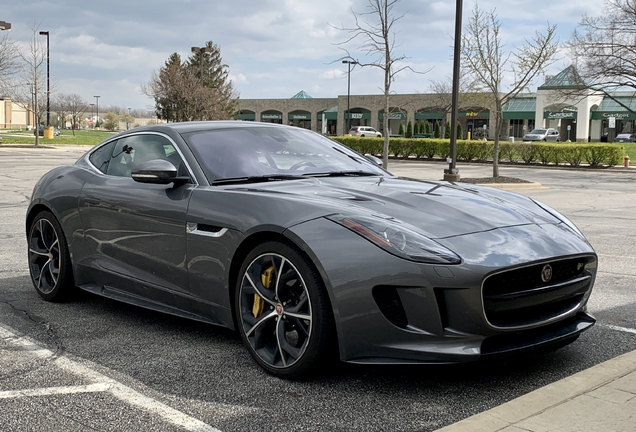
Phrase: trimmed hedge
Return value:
(574, 154)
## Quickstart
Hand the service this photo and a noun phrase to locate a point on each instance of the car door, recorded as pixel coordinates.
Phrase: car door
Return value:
(136, 232)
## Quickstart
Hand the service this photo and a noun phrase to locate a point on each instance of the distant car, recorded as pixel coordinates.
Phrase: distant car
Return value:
(548, 134)
(56, 131)
(625, 138)
(363, 131)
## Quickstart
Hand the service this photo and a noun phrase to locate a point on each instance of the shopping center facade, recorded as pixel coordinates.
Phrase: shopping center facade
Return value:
(579, 114)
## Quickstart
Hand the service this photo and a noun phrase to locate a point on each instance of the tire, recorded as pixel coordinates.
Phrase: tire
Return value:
(49, 259)
(283, 311)
(362, 135)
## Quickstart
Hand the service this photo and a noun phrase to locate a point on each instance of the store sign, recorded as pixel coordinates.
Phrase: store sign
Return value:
(357, 116)
(299, 116)
(393, 116)
(271, 116)
(566, 115)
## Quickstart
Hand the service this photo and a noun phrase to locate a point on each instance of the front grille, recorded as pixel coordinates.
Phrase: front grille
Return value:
(388, 300)
(519, 297)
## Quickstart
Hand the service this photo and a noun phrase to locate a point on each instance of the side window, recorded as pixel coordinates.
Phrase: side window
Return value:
(132, 151)
(101, 157)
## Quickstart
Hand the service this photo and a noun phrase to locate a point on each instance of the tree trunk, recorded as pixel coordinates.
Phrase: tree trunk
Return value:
(495, 152)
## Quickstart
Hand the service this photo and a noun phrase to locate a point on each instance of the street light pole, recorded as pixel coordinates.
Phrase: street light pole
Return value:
(200, 51)
(452, 173)
(349, 63)
(48, 87)
(92, 111)
(97, 116)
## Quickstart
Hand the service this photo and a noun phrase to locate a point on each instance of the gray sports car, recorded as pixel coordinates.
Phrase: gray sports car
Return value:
(308, 249)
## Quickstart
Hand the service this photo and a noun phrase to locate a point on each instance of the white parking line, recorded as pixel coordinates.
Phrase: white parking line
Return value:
(617, 328)
(101, 383)
(52, 391)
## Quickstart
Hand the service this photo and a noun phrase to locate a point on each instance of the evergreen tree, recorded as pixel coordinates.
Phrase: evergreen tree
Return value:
(427, 126)
(409, 130)
(460, 132)
(447, 131)
(437, 133)
(401, 130)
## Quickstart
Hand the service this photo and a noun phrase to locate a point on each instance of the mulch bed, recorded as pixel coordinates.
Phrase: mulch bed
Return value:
(487, 180)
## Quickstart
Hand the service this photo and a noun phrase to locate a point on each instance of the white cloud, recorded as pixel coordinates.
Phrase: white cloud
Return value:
(273, 48)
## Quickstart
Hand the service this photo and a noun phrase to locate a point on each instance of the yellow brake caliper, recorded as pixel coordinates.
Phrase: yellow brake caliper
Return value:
(259, 302)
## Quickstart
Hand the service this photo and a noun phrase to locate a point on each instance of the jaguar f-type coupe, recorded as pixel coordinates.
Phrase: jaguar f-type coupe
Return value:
(307, 248)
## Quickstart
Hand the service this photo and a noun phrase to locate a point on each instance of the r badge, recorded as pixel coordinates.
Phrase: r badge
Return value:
(546, 273)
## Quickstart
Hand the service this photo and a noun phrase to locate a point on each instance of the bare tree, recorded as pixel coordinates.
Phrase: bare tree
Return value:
(30, 81)
(74, 106)
(485, 58)
(9, 61)
(604, 50)
(441, 96)
(374, 29)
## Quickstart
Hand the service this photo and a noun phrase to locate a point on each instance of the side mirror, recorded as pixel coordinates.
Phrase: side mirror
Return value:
(157, 171)
(374, 160)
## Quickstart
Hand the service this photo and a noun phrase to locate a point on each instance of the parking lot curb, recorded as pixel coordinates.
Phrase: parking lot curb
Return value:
(535, 407)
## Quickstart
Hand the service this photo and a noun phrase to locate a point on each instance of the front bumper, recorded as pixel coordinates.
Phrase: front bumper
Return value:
(390, 310)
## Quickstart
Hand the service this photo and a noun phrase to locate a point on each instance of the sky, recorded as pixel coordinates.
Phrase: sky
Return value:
(274, 48)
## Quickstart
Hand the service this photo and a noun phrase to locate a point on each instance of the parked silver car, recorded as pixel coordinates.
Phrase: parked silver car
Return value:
(363, 131)
(547, 134)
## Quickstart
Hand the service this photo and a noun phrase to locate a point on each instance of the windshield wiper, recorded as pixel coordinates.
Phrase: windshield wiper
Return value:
(357, 173)
(258, 179)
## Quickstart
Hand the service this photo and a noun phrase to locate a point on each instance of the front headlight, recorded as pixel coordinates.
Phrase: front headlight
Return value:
(397, 239)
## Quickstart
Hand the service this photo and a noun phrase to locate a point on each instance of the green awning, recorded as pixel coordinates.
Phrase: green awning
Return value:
(422, 115)
(251, 116)
(519, 115)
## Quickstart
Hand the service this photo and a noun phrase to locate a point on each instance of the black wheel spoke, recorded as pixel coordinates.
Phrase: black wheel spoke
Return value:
(257, 322)
(45, 256)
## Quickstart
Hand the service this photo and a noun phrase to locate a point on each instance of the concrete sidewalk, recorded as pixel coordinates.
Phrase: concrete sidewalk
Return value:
(602, 398)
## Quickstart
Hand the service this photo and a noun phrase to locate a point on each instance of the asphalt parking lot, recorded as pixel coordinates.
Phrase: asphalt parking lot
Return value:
(94, 364)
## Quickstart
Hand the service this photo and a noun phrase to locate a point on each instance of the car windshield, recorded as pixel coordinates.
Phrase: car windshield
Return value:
(538, 131)
(279, 153)
(623, 136)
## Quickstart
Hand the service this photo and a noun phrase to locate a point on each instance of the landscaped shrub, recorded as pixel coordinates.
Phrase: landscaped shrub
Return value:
(427, 127)
(573, 154)
(401, 129)
(436, 134)
(430, 148)
(409, 130)
(527, 152)
(460, 132)
(447, 130)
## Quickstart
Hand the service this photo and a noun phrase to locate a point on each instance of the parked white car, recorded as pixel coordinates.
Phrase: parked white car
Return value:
(548, 134)
(363, 131)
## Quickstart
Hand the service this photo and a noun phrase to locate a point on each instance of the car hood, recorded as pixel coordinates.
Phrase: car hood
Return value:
(437, 209)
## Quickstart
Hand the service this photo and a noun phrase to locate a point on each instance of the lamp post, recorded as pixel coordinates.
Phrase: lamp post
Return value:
(97, 106)
(349, 63)
(48, 88)
(5, 26)
(200, 51)
(92, 111)
(452, 173)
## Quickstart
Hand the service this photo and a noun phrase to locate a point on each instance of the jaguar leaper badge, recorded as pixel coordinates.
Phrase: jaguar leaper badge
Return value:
(546, 273)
